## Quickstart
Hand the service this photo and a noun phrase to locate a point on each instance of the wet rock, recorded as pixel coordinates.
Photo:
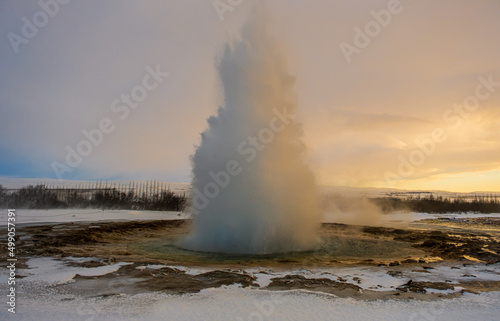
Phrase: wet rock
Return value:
(131, 280)
(468, 291)
(430, 243)
(86, 264)
(292, 261)
(421, 271)
(290, 282)
(420, 287)
(219, 278)
(481, 286)
(395, 274)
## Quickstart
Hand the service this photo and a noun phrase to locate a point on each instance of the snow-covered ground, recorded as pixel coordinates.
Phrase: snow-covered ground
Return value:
(413, 217)
(40, 217)
(38, 299)
(51, 271)
(232, 303)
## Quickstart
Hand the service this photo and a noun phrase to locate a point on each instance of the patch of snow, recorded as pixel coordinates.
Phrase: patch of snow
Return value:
(263, 279)
(233, 303)
(151, 267)
(54, 271)
(44, 217)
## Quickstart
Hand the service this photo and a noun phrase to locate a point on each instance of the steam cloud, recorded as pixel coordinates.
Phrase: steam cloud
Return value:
(252, 190)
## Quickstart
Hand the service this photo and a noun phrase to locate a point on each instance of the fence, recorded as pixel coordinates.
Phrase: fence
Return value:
(149, 195)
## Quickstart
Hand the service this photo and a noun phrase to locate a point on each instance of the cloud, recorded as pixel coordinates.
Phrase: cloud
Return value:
(359, 117)
(64, 80)
(363, 154)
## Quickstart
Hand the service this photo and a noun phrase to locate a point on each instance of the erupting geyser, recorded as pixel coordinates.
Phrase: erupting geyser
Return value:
(252, 190)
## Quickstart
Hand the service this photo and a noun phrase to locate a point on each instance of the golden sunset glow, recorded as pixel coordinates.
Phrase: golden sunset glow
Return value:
(401, 94)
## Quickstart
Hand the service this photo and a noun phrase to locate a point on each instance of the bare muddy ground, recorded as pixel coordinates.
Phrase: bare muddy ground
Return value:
(401, 252)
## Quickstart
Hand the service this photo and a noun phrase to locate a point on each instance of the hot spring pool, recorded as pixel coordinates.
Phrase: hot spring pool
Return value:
(331, 250)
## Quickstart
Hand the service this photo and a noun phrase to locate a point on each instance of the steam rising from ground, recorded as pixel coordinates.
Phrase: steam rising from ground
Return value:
(252, 191)
(351, 210)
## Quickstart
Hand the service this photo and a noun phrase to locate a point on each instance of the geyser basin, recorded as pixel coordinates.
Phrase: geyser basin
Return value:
(153, 242)
(337, 247)
(252, 190)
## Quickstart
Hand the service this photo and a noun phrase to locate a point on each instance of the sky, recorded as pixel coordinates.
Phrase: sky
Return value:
(401, 94)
